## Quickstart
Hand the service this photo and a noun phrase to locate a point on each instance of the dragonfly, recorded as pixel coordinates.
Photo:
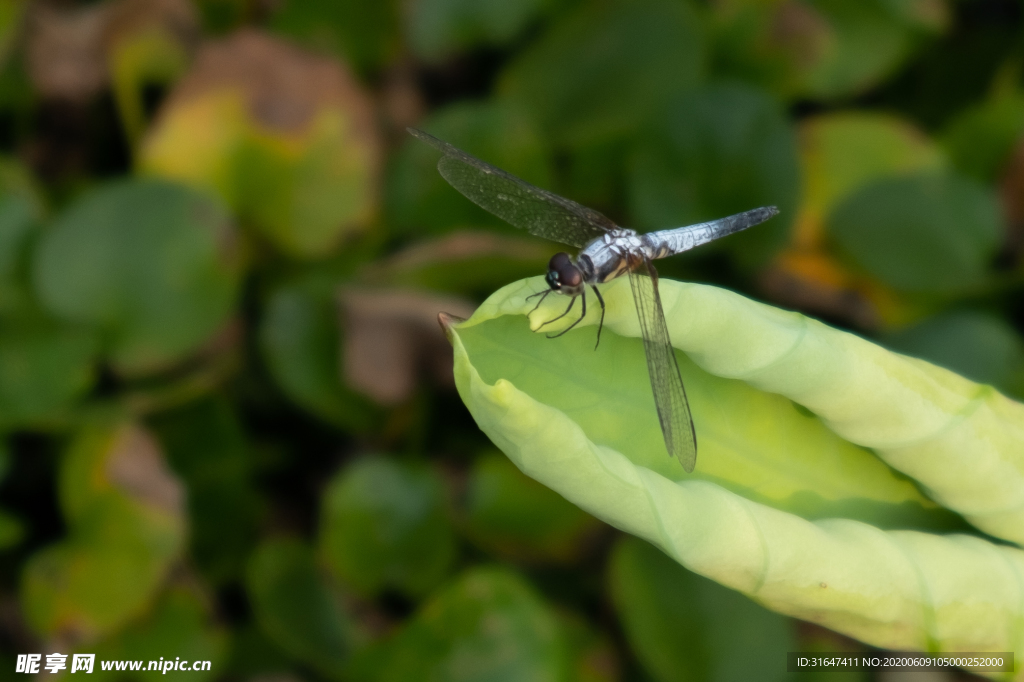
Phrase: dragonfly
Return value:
(606, 251)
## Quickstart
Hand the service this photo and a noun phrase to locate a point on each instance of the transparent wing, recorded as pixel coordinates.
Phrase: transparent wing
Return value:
(516, 201)
(666, 381)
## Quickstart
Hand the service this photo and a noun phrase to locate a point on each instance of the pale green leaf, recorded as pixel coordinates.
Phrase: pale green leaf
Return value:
(786, 505)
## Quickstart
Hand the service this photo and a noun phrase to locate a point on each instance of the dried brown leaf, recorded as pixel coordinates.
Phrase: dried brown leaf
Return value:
(391, 337)
(284, 86)
(64, 51)
(67, 50)
(136, 466)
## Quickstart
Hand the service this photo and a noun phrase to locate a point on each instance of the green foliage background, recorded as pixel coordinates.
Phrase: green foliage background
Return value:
(229, 429)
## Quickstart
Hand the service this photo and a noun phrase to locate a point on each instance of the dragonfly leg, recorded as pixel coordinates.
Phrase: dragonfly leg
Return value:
(580, 319)
(543, 295)
(600, 325)
(571, 304)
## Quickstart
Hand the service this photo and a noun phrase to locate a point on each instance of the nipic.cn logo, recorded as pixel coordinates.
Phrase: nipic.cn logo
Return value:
(32, 664)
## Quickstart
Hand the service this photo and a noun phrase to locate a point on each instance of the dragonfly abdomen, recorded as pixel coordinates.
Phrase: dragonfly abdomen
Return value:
(670, 242)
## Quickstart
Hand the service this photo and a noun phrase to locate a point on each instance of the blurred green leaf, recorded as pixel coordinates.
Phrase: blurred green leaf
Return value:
(981, 139)
(44, 366)
(366, 33)
(306, 205)
(594, 175)
(384, 524)
(489, 625)
(743, 45)
(864, 42)
(513, 516)
(205, 444)
(253, 653)
(927, 15)
(980, 346)
(843, 152)
(897, 589)
(820, 48)
(219, 16)
(296, 607)
(5, 456)
(181, 626)
(126, 526)
(140, 61)
(155, 265)
(933, 233)
(301, 344)
(592, 656)
(463, 261)
(421, 203)
(21, 209)
(602, 68)
(685, 627)
(11, 18)
(439, 28)
(716, 151)
(12, 530)
(17, 220)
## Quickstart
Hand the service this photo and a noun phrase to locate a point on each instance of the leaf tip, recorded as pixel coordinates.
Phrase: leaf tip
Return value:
(447, 321)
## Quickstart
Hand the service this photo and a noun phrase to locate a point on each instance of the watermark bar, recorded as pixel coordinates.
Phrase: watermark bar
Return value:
(988, 661)
(33, 664)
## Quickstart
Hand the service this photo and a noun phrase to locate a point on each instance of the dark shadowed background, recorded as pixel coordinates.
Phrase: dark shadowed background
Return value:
(228, 427)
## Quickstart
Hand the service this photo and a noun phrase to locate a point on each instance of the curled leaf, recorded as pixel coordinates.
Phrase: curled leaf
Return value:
(786, 504)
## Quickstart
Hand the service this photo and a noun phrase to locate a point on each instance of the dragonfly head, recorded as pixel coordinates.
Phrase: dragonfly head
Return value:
(563, 275)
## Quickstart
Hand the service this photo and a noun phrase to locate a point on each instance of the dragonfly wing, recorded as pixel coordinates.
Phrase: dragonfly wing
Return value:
(666, 381)
(516, 201)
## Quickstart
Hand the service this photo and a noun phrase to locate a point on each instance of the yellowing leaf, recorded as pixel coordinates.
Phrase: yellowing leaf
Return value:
(286, 138)
(843, 152)
(124, 511)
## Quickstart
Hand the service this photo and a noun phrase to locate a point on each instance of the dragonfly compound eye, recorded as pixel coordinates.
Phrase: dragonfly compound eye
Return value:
(563, 273)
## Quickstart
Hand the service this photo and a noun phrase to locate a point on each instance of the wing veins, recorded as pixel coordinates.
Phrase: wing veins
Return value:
(666, 381)
(516, 201)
